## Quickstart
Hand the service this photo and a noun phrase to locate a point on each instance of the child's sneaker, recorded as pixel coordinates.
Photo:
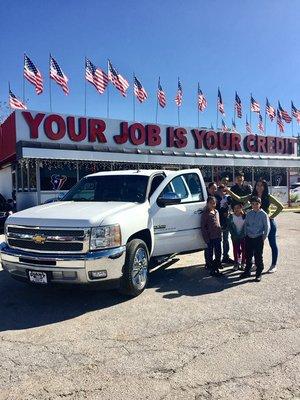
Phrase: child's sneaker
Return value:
(243, 266)
(272, 269)
(235, 267)
(253, 268)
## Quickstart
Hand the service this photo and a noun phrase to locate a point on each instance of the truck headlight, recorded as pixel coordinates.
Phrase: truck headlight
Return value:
(103, 237)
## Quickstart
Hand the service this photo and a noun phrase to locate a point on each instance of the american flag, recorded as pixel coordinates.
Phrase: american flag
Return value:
(179, 94)
(117, 79)
(33, 75)
(95, 76)
(161, 96)
(139, 90)
(255, 107)
(238, 105)
(202, 102)
(14, 102)
(280, 122)
(224, 127)
(58, 76)
(270, 110)
(220, 103)
(233, 126)
(284, 114)
(260, 123)
(248, 127)
(295, 112)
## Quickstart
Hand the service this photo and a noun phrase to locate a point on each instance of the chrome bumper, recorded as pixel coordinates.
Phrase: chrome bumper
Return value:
(75, 268)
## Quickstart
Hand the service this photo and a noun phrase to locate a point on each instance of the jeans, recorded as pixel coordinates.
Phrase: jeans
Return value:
(272, 241)
(213, 247)
(239, 250)
(254, 247)
(225, 234)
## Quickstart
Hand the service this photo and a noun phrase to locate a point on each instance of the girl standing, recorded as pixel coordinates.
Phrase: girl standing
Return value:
(212, 234)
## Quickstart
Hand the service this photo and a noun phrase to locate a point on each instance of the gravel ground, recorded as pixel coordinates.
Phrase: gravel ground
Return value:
(188, 336)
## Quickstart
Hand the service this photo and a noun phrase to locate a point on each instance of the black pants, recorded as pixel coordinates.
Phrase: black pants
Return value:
(213, 248)
(254, 247)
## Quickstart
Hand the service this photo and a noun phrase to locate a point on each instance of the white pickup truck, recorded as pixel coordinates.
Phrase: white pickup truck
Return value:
(107, 228)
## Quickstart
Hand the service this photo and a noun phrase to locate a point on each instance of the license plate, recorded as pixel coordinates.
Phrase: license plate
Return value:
(37, 277)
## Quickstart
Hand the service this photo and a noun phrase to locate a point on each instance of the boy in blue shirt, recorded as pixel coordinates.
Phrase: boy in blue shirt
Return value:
(257, 227)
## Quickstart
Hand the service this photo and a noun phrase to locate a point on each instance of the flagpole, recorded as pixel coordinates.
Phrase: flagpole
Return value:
(85, 87)
(24, 82)
(50, 91)
(133, 99)
(107, 106)
(178, 116)
(250, 108)
(156, 114)
(234, 113)
(10, 108)
(292, 120)
(217, 110)
(197, 103)
(266, 120)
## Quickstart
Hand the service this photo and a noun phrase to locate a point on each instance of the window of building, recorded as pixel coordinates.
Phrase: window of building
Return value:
(58, 178)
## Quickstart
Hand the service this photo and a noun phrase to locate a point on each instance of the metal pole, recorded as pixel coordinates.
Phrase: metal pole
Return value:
(292, 121)
(234, 112)
(197, 104)
(265, 122)
(50, 94)
(24, 82)
(28, 180)
(271, 178)
(77, 171)
(288, 186)
(107, 106)
(84, 88)
(250, 109)
(10, 109)
(38, 181)
(133, 99)
(178, 116)
(252, 176)
(217, 115)
(156, 114)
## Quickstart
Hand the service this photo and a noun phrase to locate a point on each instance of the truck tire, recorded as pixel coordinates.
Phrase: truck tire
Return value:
(135, 271)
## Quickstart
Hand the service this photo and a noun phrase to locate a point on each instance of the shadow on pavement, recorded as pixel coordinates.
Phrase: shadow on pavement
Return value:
(25, 306)
(192, 280)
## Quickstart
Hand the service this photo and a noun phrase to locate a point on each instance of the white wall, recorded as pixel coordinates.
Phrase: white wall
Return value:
(6, 182)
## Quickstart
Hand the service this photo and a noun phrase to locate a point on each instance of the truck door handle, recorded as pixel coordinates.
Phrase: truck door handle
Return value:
(198, 211)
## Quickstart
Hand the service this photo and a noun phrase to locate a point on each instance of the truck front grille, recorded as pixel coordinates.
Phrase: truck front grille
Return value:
(49, 240)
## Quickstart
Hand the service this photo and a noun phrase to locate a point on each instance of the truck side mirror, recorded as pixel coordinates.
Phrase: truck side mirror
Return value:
(168, 199)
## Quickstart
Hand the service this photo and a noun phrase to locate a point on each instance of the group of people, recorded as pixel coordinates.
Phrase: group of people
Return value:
(246, 215)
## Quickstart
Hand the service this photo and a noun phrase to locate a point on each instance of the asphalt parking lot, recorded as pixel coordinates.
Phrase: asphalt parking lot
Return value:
(188, 336)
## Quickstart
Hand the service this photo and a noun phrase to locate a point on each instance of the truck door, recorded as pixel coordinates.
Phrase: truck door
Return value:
(177, 227)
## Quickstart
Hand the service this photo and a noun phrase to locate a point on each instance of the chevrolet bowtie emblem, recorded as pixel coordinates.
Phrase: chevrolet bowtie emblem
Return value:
(38, 239)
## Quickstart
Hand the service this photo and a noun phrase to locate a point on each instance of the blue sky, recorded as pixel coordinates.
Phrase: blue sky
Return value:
(243, 45)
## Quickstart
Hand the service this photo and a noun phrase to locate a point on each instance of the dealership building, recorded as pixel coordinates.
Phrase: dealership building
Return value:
(42, 155)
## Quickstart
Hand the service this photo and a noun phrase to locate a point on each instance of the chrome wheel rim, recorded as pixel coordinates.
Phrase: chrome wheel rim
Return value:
(140, 268)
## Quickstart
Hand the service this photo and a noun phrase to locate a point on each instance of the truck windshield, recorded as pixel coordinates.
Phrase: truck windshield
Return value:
(125, 188)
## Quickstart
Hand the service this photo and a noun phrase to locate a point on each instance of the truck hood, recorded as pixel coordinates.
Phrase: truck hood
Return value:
(69, 214)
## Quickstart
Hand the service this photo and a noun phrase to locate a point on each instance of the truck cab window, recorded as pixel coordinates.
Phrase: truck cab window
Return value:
(156, 181)
(176, 186)
(194, 185)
